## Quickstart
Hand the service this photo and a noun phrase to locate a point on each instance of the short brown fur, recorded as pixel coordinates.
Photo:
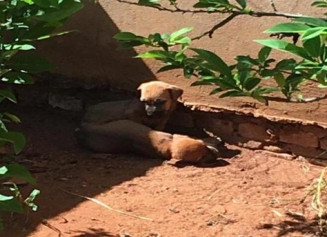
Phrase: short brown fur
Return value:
(135, 110)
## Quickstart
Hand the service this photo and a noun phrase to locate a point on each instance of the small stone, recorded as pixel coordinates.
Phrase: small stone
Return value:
(273, 149)
(253, 145)
(65, 102)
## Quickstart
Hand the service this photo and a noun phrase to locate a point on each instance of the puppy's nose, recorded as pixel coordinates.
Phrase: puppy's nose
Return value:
(150, 110)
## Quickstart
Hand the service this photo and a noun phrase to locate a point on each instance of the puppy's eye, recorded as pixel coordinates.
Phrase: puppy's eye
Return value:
(159, 101)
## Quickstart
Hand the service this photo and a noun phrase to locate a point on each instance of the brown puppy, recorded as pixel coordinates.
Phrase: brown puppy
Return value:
(128, 136)
(157, 101)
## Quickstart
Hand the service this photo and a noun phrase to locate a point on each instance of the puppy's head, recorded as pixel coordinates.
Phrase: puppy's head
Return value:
(159, 97)
(191, 150)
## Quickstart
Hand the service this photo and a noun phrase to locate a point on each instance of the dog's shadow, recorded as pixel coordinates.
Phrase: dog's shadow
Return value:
(224, 153)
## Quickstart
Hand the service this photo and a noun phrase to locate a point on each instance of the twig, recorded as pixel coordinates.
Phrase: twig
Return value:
(272, 3)
(108, 207)
(310, 99)
(217, 26)
(160, 8)
(233, 14)
(47, 224)
(214, 193)
(251, 13)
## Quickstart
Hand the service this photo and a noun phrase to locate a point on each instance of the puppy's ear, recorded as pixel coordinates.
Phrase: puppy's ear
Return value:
(175, 92)
(140, 87)
(139, 90)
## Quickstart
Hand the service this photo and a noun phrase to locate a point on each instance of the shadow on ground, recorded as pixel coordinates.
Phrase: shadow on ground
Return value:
(299, 225)
(63, 168)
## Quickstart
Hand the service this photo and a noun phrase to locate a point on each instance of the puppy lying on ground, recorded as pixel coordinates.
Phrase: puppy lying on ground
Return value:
(129, 136)
(157, 101)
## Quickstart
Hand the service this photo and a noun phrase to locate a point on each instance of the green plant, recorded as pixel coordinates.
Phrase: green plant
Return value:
(245, 77)
(318, 192)
(22, 24)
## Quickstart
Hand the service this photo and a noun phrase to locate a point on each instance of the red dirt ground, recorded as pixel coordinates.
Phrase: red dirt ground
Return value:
(252, 193)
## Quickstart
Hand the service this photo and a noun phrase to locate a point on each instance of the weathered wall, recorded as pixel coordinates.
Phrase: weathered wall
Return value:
(294, 138)
(90, 55)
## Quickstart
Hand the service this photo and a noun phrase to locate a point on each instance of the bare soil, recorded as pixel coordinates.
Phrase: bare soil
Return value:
(247, 193)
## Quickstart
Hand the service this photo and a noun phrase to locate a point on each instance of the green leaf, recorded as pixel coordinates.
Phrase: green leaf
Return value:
(3, 170)
(242, 3)
(30, 199)
(251, 82)
(18, 47)
(214, 61)
(280, 79)
(311, 21)
(247, 60)
(184, 40)
(313, 32)
(12, 117)
(233, 93)
(285, 47)
(17, 78)
(157, 54)
(31, 63)
(3, 126)
(215, 91)
(319, 4)
(264, 54)
(177, 34)
(286, 64)
(169, 67)
(313, 46)
(288, 27)
(8, 95)
(204, 82)
(17, 171)
(259, 98)
(67, 8)
(148, 2)
(126, 36)
(30, 2)
(16, 138)
(43, 3)
(42, 30)
(10, 204)
(188, 72)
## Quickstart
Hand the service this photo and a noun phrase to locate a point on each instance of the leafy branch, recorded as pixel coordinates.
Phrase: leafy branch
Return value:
(245, 77)
(23, 23)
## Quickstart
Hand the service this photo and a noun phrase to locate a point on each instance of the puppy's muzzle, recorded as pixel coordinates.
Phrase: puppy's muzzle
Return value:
(153, 110)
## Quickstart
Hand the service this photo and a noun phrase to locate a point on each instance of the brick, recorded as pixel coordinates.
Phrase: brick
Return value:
(323, 143)
(305, 139)
(253, 131)
(219, 127)
(318, 131)
(312, 153)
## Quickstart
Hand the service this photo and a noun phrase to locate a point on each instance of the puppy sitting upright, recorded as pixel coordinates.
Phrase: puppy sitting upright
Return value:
(157, 101)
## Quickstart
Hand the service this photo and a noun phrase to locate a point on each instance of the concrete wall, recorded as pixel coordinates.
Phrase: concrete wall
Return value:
(91, 52)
